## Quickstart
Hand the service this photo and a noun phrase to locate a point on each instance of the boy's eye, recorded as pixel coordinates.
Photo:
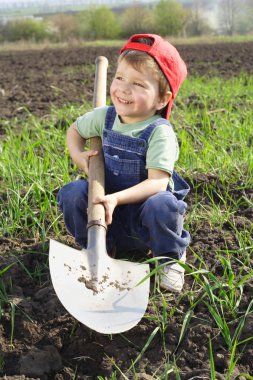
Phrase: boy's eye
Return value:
(119, 77)
(138, 84)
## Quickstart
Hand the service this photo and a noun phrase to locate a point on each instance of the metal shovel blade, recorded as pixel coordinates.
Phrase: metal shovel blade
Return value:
(97, 290)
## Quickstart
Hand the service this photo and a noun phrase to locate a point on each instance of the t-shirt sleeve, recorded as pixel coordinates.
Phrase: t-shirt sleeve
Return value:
(91, 124)
(163, 150)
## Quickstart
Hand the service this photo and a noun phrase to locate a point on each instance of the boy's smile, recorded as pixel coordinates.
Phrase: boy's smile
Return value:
(123, 101)
(134, 94)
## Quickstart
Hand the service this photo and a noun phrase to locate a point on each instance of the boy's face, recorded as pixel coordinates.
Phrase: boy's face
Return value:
(134, 94)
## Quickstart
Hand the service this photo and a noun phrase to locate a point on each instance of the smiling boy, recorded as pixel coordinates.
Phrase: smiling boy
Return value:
(143, 194)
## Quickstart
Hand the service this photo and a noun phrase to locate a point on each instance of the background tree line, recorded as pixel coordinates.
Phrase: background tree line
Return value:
(167, 18)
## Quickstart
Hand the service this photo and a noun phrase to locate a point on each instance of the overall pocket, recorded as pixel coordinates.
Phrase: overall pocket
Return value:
(121, 173)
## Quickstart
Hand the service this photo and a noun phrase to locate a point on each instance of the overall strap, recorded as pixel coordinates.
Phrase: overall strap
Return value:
(148, 130)
(181, 187)
(110, 117)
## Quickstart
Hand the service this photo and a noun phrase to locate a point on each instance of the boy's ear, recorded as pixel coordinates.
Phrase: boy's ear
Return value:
(164, 101)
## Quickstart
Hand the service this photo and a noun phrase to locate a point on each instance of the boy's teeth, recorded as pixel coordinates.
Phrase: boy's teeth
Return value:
(124, 101)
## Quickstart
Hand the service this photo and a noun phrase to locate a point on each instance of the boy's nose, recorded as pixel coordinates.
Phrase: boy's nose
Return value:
(126, 88)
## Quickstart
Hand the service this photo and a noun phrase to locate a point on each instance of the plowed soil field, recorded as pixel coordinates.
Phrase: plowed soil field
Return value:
(48, 343)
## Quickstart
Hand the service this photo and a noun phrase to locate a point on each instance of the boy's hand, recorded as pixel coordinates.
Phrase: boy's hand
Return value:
(81, 159)
(76, 144)
(109, 202)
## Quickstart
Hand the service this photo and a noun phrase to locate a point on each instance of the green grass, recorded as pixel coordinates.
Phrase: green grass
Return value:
(216, 129)
(34, 163)
(213, 121)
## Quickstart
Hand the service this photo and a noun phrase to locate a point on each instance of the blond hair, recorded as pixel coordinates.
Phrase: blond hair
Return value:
(141, 62)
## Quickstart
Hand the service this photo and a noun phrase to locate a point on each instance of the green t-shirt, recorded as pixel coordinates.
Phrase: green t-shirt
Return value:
(162, 149)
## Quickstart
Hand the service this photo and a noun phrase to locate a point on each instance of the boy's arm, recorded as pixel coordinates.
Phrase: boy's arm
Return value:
(157, 181)
(76, 144)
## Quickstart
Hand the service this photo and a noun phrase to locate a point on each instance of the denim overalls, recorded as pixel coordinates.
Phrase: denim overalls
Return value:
(155, 224)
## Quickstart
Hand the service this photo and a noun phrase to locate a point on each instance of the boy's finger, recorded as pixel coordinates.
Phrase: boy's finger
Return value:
(98, 199)
(93, 152)
(108, 218)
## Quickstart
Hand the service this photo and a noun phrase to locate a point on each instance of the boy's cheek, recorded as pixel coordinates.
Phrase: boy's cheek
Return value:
(112, 87)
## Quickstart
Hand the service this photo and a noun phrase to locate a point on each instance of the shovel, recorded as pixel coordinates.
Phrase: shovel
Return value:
(105, 294)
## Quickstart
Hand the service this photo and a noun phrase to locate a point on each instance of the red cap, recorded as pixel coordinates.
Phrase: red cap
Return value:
(167, 57)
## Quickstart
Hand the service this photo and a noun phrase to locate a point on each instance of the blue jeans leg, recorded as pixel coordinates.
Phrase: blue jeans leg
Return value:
(161, 221)
(73, 202)
(155, 224)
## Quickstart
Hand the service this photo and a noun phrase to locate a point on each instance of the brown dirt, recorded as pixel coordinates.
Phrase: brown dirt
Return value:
(48, 343)
(33, 81)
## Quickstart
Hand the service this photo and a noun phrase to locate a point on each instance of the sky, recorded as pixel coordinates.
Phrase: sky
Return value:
(40, 1)
(62, 1)
(20, 1)
(31, 1)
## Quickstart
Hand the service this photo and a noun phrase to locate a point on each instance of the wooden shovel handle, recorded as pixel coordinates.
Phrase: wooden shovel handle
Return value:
(96, 212)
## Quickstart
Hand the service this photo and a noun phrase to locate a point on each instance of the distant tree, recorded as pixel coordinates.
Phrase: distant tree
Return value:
(98, 23)
(236, 16)
(62, 26)
(136, 19)
(197, 24)
(170, 17)
(229, 10)
(1, 32)
(27, 29)
(244, 24)
(249, 10)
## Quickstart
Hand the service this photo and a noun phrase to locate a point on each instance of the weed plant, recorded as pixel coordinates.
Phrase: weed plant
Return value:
(213, 121)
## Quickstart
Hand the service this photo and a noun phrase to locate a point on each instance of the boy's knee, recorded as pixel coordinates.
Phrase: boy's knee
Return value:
(73, 193)
(162, 202)
(164, 209)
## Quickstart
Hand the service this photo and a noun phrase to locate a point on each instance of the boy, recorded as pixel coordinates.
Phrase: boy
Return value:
(143, 194)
